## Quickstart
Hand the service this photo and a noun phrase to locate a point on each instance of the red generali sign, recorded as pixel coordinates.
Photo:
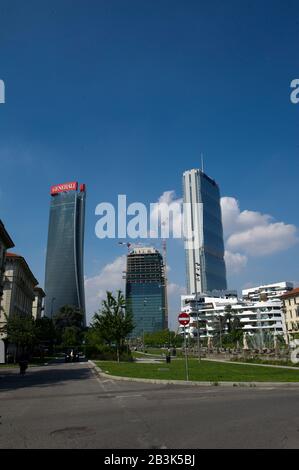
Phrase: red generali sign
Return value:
(59, 188)
(184, 318)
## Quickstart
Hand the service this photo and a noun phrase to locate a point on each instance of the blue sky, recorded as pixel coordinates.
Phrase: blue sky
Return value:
(125, 95)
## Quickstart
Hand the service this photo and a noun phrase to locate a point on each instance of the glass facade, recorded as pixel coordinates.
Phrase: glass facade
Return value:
(145, 290)
(204, 195)
(64, 281)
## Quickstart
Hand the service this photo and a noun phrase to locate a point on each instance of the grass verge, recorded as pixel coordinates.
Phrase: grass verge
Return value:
(203, 371)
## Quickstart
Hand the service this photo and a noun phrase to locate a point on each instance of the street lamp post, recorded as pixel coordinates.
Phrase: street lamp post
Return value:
(144, 303)
(197, 277)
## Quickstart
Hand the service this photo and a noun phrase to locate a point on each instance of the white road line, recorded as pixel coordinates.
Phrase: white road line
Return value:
(127, 396)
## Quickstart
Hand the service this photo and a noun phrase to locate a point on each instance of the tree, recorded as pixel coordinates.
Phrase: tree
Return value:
(114, 322)
(71, 336)
(20, 330)
(45, 331)
(228, 317)
(234, 330)
(162, 338)
(68, 324)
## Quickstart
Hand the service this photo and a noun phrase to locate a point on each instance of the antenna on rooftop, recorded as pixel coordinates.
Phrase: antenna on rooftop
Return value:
(201, 155)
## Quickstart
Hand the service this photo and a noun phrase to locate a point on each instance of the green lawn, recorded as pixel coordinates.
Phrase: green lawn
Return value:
(203, 371)
(9, 365)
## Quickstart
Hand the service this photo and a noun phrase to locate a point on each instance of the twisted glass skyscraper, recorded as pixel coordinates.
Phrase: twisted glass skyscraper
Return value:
(203, 229)
(64, 281)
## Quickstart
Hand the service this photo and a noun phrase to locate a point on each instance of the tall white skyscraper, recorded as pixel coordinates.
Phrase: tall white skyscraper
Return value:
(204, 247)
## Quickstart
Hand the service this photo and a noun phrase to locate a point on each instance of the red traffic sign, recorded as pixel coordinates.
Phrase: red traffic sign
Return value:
(184, 318)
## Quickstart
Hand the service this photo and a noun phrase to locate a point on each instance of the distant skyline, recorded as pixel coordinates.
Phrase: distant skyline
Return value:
(125, 96)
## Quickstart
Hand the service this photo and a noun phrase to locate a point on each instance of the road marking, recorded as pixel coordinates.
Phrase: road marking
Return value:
(128, 396)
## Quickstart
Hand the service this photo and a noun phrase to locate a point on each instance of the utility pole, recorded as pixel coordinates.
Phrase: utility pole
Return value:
(164, 256)
(220, 330)
(144, 303)
(186, 355)
(197, 277)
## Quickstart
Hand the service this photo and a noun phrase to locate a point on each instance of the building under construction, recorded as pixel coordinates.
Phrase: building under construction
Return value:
(146, 290)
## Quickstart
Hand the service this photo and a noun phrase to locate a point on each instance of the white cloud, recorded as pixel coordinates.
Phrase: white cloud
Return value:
(174, 292)
(175, 207)
(109, 278)
(174, 288)
(264, 240)
(253, 233)
(235, 262)
(234, 220)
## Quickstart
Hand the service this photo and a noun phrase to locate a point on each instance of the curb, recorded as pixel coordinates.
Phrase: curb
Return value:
(99, 371)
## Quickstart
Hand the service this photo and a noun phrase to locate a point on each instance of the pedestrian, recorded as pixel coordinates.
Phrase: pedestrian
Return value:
(23, 363)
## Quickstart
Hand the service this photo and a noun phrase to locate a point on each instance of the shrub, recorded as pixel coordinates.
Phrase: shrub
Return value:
(108, 353)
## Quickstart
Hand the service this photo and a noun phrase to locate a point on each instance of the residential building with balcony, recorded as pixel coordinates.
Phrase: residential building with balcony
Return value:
(262, 317)
(268, 291)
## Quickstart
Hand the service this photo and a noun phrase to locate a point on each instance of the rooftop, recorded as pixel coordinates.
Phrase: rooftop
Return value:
(15, 256)
(282, 284)
(291, 293)
(5, 236)
(145, 250)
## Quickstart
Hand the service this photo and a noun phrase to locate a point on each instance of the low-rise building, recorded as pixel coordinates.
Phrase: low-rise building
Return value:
(268, 291)
(38, 303)
(260, 320)
(18, 289)
(5, 243)
(291, 313)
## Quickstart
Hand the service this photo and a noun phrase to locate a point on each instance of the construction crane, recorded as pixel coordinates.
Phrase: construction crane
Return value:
(130, 246)
(126, 244)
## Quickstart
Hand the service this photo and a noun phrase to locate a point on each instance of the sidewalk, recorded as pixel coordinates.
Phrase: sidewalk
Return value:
(250, 364)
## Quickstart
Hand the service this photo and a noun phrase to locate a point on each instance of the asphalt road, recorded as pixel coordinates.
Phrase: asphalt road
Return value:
(68, 406)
